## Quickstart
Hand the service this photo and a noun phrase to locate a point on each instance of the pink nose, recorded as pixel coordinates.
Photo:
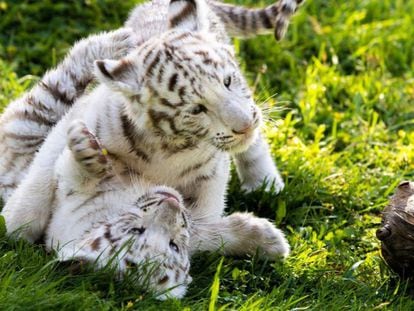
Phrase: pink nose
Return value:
(242, 131)
(169, 196)
(172, 202)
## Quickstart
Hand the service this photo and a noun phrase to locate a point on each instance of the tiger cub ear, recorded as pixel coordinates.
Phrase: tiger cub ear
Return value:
(118, 74)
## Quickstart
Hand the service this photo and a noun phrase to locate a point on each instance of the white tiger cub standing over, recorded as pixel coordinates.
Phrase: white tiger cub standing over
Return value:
(28, 120)
(171, 112)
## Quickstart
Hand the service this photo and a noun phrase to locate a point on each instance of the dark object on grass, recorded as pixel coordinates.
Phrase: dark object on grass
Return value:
(397, 231)
(74, 267)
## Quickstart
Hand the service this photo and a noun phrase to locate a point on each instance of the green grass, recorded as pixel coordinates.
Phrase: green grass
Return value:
(339, 93)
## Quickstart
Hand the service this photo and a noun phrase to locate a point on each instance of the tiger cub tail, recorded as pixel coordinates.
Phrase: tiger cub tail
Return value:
(247, 22)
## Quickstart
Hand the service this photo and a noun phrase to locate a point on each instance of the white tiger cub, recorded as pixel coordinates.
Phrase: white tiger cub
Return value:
(106, 220)
(170, 112)
(27, 121)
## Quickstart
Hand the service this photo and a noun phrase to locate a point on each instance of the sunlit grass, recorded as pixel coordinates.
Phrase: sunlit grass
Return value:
(338, 95)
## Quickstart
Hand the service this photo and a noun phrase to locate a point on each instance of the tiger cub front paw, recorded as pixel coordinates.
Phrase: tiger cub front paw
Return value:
(86, 149)
(272, 183)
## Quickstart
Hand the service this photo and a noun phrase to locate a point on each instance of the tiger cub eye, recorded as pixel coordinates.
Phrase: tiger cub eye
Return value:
(136, 230)
(198, 109)
(227, 81)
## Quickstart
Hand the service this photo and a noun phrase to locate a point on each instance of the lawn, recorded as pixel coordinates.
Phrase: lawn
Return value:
(338, 95)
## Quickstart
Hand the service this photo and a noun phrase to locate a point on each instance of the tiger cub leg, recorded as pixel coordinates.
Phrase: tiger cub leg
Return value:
(255, 166)
(241, 234)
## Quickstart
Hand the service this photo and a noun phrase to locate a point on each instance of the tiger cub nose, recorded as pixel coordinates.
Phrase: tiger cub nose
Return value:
(172, 203)
(243, 130)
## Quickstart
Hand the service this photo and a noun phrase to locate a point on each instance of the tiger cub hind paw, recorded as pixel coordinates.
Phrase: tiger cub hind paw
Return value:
(259, 236)
(86, 149)
(272, 243)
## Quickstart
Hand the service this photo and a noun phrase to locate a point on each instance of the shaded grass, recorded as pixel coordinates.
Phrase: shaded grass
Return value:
(343, 140)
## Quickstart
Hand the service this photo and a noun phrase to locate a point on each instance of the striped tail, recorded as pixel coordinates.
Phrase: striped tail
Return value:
(247, 22)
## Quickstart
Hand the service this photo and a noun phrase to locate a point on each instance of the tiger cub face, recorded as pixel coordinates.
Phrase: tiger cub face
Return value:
(185, 88)
(151, 236)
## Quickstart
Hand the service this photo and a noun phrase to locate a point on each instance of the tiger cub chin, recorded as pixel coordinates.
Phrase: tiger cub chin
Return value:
(122, 222)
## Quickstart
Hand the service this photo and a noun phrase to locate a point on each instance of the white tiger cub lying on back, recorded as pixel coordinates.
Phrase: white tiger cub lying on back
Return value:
(125, 222)
(106, 220)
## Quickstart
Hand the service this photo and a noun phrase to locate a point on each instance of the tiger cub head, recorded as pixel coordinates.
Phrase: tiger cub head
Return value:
(150, 239)
(186, 88)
